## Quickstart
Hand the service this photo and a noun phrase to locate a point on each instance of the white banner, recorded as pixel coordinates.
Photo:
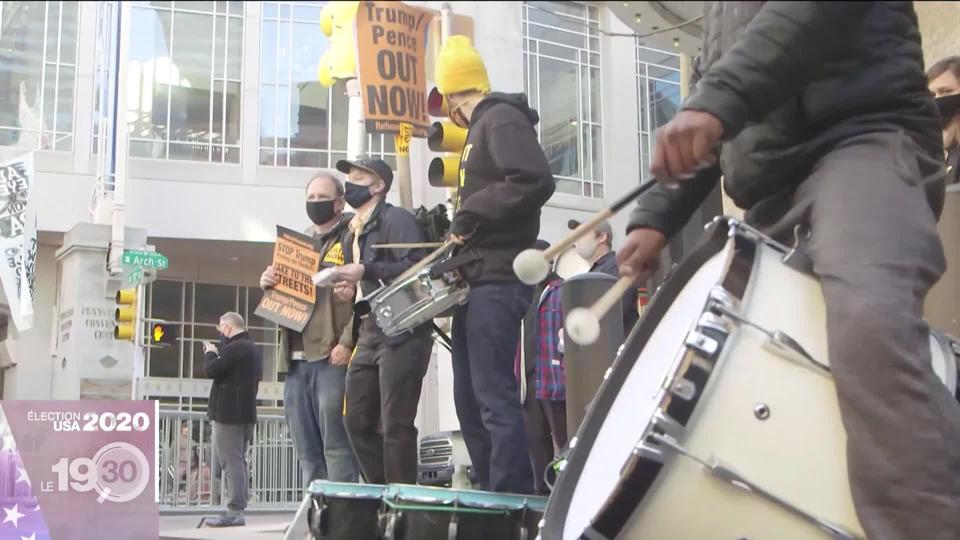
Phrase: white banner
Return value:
(18, 239)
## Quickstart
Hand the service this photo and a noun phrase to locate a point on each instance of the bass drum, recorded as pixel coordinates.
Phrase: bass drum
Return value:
(945, 352)
(719, 418)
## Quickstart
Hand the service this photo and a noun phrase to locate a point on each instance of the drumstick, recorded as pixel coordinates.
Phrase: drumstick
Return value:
(532, 265)
(425, 261)
(583, 324)
(419, 245)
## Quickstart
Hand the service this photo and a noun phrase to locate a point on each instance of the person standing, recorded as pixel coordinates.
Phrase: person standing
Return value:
(541, 372)
(597, 249)
(386, 373)
(317, 358)
(504, 181)
(827, 132)
(236, 367)
(943, 79)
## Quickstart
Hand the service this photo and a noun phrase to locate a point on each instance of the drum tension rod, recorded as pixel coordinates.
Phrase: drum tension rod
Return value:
(733, 478)
(777, 339)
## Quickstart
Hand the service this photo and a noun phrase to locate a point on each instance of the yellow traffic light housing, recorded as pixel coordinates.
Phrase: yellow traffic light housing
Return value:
(125, 315)
(444, 172)
(437, 104)
(446, 137)
(340, 60)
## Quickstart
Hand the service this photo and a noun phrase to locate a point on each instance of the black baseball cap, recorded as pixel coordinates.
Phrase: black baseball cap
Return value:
(378, 167)
(541, 244)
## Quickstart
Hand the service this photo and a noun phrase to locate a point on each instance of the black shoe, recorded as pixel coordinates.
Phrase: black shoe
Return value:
(228, 520)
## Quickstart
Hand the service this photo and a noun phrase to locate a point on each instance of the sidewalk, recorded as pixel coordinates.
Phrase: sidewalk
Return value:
(261, 526)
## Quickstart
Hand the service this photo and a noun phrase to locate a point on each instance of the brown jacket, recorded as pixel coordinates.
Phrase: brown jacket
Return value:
(329, 325)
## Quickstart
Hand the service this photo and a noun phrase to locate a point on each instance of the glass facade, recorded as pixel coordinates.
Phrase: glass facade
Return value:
(561, 59)
(195, 308)
(658, 92)
(38, 74)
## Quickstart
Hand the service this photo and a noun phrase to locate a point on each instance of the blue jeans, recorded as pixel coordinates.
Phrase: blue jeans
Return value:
(485, 334)
(313, 403)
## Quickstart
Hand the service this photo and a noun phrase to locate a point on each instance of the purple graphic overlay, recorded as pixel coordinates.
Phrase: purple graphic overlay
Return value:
(93, 461)
(19, 508)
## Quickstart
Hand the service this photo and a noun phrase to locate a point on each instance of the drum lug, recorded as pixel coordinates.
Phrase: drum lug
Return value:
(683, 389)
(668, 425)
(705, 345)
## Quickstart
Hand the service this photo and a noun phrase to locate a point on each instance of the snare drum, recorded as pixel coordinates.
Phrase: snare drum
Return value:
(418, 299)
(428, 513)
(719, 417)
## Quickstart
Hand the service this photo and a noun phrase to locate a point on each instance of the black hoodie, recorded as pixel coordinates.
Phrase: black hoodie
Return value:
(504, 181)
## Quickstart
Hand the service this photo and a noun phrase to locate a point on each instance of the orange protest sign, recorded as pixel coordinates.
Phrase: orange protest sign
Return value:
(295, 261)
(391, 54)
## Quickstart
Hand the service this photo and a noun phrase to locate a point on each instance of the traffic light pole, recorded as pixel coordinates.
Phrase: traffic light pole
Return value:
(356, 133)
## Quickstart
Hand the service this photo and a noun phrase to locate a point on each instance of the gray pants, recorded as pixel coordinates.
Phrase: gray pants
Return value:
(230, 442)
(873, 243)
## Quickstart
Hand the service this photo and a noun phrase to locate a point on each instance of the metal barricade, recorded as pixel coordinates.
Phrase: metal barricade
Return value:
(190, 474)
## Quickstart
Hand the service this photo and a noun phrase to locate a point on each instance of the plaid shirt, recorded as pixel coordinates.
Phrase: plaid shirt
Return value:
(548, 383)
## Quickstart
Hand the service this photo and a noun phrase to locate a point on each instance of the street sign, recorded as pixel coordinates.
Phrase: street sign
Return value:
(163, 334)
(145, 259)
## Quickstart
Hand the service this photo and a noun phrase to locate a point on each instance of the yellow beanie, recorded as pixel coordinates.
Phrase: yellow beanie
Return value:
(460, 68)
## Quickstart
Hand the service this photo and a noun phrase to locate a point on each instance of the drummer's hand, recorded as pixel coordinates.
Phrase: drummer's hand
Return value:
(684, 145)
(351, 273)
(344, 291)
(458, 240)
(639, 256)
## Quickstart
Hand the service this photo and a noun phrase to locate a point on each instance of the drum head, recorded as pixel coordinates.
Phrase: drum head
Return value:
(625, 403)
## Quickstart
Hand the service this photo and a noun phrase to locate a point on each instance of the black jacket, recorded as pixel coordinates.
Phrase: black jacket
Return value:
(789, 81)
(236, 373)
(387, 224)
(608, 265)
(504, 181)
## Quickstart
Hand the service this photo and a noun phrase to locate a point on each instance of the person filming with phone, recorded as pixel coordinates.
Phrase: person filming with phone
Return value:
(236, 366)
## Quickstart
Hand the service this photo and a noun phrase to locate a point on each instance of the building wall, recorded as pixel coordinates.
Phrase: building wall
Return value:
(940, 29)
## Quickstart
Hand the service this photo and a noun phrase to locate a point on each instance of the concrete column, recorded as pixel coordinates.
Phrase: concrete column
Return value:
(91, 364)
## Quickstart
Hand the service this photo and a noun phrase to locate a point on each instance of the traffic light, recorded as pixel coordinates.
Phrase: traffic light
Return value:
(444, 136)
(125, 315)
(340, 60)
(162, 333)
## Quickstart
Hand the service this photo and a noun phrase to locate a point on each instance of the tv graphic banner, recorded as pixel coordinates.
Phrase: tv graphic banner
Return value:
(78, 470)
(18, 238)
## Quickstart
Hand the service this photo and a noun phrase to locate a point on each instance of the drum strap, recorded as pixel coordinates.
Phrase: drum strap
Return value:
(454, 262)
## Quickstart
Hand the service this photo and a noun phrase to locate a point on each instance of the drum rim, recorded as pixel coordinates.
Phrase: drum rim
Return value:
(734, 279)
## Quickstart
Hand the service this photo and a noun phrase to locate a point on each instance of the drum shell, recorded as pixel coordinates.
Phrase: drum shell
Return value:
(427, 513)
(433, 298)
(942, 307)
(344, 511)
(584, 366)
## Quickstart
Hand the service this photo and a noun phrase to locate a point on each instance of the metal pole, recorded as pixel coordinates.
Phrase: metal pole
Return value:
(356, 133)
(402, 144)
(446, 18)
(120, 138)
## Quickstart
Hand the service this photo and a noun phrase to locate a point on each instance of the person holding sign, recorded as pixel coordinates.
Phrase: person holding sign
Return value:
(385, 376)
(504, 181)
(317, 358)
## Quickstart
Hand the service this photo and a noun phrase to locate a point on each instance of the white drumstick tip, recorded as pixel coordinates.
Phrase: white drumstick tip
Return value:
(583, 326)
(531, 266)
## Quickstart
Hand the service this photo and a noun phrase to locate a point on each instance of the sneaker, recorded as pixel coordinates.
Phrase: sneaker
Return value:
(227, 520)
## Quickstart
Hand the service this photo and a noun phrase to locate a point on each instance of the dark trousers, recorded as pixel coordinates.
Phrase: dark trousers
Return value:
(230, 442)
(874, 245)
(546, 422)
(383, 388)
(313, 405)
(485, 334)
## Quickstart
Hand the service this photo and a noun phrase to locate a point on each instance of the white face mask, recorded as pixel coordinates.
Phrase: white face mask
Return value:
(586, 247)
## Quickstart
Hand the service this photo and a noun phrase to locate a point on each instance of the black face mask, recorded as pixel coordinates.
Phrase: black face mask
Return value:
(949, 107)
(357, 195)
(320, 212)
